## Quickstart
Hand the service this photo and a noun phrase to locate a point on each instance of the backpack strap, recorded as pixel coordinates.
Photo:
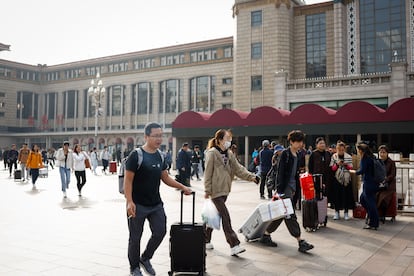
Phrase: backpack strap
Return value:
(141, 156)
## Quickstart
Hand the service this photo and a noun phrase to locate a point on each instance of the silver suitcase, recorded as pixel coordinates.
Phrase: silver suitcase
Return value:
(254, 227)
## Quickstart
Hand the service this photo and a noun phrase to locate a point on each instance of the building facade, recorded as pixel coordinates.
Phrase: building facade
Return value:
(284, 54)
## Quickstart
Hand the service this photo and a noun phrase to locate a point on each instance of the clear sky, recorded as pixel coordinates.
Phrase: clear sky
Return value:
(59, 31)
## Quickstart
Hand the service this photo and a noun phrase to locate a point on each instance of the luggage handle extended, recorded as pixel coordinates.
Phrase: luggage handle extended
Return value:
(181, 211)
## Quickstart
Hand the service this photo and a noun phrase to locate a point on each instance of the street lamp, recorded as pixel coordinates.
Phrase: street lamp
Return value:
(98, 92)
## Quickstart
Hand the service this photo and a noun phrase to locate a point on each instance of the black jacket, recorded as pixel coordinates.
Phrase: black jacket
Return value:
(284, 170)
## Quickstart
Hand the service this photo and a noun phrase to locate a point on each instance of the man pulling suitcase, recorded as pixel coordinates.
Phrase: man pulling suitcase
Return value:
(141, 187)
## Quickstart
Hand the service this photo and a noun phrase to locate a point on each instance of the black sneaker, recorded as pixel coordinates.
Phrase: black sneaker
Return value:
(304, 246)
(267, 240)
(147, 266)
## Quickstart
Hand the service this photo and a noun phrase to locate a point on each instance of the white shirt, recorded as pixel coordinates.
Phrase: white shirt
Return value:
(60, 158)
(79, 161)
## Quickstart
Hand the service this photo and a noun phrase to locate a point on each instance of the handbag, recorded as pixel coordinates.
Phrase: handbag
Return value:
(359, 212)
(87, 164)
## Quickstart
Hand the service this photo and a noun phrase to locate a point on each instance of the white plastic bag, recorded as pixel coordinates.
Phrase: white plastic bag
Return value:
(210, 215)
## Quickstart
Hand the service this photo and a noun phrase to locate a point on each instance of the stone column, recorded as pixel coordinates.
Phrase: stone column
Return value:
(280, 90)
(398, 81)
(339, 30)
(128, 106)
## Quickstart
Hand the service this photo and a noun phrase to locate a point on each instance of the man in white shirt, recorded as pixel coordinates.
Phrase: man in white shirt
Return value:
(64, 159)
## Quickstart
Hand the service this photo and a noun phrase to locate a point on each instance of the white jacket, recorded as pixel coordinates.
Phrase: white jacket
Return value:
(79, 161)
(60, 158)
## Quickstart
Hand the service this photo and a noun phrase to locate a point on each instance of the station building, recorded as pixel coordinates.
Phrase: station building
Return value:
(284, 54)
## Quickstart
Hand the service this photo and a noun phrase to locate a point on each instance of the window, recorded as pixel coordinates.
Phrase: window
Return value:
(70, 104)
(226, 106)
(171, 96)
(5, 72)
(256, 83)
(208, 54)
(202, 93)
(227, 93)
(27, 103)
(315, 45)
(228, 52)
(256, 50)
(115, 102)
(227, 80)
(256, 18)
(142, 98)
(382, 34)
(50, 106)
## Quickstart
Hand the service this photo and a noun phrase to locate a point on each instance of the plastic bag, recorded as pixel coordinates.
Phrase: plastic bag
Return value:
(210, 215)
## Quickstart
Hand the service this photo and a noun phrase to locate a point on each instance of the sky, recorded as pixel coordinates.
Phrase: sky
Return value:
(56, 32)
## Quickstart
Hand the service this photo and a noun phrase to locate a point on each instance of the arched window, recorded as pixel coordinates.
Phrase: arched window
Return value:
(202, 93)
(171, 96)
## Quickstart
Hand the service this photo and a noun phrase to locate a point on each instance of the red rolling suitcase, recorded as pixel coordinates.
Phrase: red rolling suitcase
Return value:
(112, 167)
(391, 210)
(187, 245)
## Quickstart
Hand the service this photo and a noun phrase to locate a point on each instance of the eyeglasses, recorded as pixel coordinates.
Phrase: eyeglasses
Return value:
(157, 136)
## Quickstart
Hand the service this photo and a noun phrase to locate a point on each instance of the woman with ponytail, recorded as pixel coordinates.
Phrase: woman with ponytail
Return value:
(221, 167)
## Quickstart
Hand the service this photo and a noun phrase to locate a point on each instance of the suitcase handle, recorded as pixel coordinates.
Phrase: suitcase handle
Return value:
(181, 211)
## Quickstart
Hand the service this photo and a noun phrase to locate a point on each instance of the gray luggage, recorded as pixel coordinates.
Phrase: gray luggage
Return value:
(254, 227)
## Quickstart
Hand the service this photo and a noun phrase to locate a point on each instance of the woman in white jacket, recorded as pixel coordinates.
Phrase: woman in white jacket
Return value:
(79, 157)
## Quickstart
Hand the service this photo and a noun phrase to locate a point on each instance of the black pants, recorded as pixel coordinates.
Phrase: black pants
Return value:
(105, 164)
(11, 166)
(35, 175)
(80, 179)
(263, 184)
(195, 170)
(291, 224)
(158, 225)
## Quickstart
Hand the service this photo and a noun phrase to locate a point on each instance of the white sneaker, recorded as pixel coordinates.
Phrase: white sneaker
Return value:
(237, 250)
(209, 245)
(336, 216)
(64, 194)
(346, 217)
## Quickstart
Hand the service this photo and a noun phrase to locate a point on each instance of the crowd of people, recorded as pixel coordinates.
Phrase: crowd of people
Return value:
(218, 165)
(335, 164)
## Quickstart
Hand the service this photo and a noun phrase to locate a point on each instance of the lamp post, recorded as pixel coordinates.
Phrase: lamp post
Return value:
(97, 90)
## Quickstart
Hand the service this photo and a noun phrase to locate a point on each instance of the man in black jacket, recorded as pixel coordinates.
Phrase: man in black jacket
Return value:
(12, 156)
(184, 165)
(287, 178)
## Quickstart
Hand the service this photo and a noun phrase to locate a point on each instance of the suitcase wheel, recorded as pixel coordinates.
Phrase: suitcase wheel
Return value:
(170, 273)
(246, 239)
(393, 219)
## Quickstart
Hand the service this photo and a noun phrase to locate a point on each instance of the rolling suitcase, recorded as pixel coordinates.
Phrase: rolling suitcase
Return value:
(310, 215)
(43, 172)
(391, 210)
(187, 245)
(17, 175)
(321, 200)
(255, 225)
(112, 167)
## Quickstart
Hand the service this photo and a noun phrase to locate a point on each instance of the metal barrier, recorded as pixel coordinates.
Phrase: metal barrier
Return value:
(405, 187)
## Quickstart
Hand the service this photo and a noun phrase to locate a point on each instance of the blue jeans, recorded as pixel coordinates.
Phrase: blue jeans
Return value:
(64, 178)
(158, 225)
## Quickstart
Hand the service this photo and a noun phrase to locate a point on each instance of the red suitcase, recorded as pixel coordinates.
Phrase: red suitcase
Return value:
(112, 167)
(307, 185)
(391, 210)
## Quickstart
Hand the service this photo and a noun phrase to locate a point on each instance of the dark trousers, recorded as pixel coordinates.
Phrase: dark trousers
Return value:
(35, 175)
(105, 164)
(11, 166)
(231, 236)
(263, 184)
(80, 179)
(158, 225)
(368, 201)
(195, 170)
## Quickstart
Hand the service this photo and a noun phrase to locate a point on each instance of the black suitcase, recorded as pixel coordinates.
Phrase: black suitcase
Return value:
(310, 215)
(187, 245)
(17, 175)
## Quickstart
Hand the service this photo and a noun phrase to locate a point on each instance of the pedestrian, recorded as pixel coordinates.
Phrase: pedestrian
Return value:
(388, 189)
(265, 163)
(12, 157)
(369, 187)
(168, 160)
(23, 156)
(319, 162)
(221, 167)
(342, 194)
(105, 159)
(79, 157)
(94, 160)
(4, 156)
(287, 179)
(64, 157)
(51, 157)
(195, 162)
(184, 165)
(142, 193)
(34, 163)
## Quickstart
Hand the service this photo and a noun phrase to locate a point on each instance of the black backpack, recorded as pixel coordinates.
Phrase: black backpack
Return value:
(379, 171)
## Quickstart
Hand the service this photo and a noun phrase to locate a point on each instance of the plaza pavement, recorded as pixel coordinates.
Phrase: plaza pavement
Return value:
(43, 234)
